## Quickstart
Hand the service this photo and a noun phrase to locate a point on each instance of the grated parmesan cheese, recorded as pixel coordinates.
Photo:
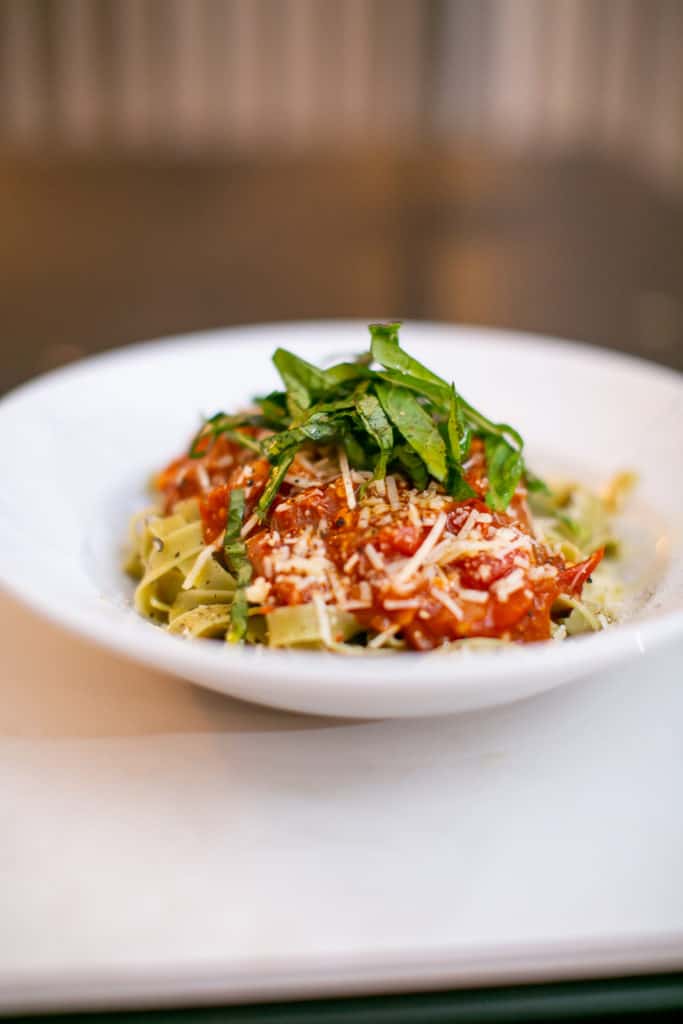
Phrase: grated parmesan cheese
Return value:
(203, 477)
(381, 638)
(346, 477)
(447, 601)
(375, 558)
(249, 525)
(392, 605)
(424, 549)
(323, 620)
(351, 562)
(258, 591)
(508, 585)
(201, 560)
(473, 596)
(392, 492)
(414, 515)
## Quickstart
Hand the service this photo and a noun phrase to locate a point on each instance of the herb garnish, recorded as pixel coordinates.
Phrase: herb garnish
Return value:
(236, 557)
(399, 415)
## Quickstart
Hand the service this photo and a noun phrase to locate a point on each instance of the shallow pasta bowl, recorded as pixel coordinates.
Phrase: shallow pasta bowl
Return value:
(77, 447)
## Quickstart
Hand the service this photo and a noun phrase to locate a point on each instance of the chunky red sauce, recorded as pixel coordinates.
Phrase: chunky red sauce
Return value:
(358, 549)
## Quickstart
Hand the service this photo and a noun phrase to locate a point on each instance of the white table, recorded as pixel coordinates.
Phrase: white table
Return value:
(162, 844)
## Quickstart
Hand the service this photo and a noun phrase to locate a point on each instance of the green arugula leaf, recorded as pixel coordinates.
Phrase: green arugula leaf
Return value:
(416, 426)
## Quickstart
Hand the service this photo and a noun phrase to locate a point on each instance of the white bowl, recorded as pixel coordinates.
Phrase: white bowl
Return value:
(78, 445)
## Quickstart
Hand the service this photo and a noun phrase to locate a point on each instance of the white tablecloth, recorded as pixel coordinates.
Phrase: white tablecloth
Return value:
(160, 843)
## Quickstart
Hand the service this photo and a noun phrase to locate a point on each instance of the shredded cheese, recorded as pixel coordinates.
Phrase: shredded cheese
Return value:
(392, 492)
(249, 525)
(201, 560)
(508, 585)
(351, 562)
(203, 477)
(375, 557)
(323, 619)
(258, 591)
(473, 596)
(414, 515)
(447, 601)
(423, 551)
(381, 638)
(346, 477)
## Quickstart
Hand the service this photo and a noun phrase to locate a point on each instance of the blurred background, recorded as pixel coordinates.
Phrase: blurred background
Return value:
(169, 165)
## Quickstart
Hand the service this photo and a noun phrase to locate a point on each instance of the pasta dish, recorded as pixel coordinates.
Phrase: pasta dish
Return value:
(367, 507)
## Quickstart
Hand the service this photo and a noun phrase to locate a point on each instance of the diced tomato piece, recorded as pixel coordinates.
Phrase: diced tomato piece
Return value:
(572, 579)
(402, 539)
(478, 572)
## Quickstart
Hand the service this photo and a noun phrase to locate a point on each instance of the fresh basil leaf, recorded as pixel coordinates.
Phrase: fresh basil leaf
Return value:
(387, 352)
(243, 439)
(345, 373)
(504, 469)
(277, 475)
(416, 426)
(413, 465)
(274, 408)
(320, 428)
(218, 424)
(238, 562)
(534, 484)
(438, 394)
(235, 516)
(459, 434)
(348, 402)
(486, 426)
(379, 428)
(239, 617)
(458, 488)
(303, 381)
(355, 452)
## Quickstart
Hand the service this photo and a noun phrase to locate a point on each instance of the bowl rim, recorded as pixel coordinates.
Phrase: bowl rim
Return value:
(144, 642)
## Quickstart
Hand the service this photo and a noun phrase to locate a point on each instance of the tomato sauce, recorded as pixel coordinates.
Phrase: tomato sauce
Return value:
(362, 547)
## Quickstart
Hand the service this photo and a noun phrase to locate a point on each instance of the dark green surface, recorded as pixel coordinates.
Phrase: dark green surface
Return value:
(657, 997)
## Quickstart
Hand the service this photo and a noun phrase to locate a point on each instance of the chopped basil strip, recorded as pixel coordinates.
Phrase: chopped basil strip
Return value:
(387, 411)
(239, 564)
